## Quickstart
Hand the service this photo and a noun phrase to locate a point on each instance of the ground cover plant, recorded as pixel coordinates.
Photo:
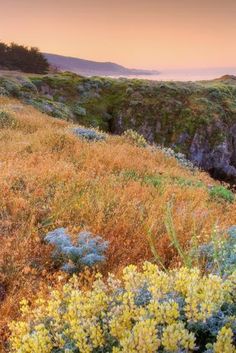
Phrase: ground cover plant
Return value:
(52, 179)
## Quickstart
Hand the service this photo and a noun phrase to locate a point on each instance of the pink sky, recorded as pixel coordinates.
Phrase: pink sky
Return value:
(148, 34)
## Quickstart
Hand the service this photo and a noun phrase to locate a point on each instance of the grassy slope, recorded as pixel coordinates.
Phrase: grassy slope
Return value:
(50, 178)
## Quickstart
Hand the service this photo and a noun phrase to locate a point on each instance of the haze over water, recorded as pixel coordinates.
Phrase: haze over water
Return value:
(188, 74)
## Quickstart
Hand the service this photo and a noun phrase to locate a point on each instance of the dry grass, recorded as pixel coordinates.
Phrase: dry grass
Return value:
(50, 178)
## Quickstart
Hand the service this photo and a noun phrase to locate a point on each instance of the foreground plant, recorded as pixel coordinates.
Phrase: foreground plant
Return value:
(219, 256)
(148, 311)
(87, 251)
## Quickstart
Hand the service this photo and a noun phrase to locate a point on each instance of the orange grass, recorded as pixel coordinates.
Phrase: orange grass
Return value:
(50, 178)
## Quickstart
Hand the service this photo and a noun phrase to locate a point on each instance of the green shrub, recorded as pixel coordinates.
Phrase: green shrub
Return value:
(11, 86)
(6, 120)
(221, 193)
(78, 110)
(155, 180)
(3, 92)
(50, 107)
(130, 175)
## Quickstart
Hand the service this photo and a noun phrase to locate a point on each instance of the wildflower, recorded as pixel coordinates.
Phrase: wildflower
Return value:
(176, 337)
(224, 341)
(177, 308)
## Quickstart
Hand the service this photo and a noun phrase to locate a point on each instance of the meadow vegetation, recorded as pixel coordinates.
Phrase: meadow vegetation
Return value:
(149, 204)
(194, 118)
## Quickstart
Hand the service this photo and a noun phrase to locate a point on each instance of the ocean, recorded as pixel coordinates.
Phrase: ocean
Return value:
(188, 74)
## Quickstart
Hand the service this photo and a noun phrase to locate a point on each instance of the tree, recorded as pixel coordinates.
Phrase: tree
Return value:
(3, 53)
(19, 57)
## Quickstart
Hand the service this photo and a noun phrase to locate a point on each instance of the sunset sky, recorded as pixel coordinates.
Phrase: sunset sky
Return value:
(144, 34)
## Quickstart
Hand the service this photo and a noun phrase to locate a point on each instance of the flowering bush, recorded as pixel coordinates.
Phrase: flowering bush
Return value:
(180, 157)
(88, 134)
(135, 138)
(219, 256)
(87, 251)
(147, 312)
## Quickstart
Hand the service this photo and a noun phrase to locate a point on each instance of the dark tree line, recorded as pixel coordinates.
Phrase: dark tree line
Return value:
(19, 57)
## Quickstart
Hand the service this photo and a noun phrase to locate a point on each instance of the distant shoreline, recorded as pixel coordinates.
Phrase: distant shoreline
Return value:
(94, 68)
(162, 76)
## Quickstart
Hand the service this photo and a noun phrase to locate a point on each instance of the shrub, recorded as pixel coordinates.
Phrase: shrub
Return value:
(55, 109)
(219, 255)
(88, 134)
(180, 157)
(11, 86)
(130, 175)
(155, 180)
(129, 90)
(221, 193)
(135, 138)
(78, 110)
(6, 120)
(87, 251)
(80, 88)
(149, 311)
(3, 92)
(29, 86)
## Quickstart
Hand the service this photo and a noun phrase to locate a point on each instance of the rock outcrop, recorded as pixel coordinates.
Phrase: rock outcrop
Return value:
(220, 159)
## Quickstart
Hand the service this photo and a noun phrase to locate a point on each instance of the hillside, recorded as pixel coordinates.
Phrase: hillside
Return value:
(195, 118)
(117, 187)
(93, 68)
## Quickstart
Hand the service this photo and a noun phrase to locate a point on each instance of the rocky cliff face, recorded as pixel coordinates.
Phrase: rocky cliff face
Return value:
(217, 158)
(198, 119)
(220, 159)
(211, 147)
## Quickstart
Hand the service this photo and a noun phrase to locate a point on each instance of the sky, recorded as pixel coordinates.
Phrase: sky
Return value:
(149, 34)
